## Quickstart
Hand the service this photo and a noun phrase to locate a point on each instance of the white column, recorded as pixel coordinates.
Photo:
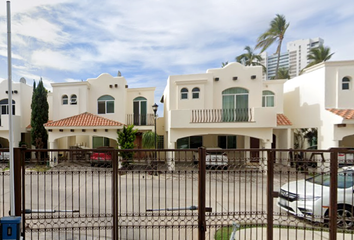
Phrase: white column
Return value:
(53, 156)
(171, 156)
(247, 145)
(266, 144)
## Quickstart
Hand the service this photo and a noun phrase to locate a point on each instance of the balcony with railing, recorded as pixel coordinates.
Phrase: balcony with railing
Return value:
(222, 115)
(140, 119)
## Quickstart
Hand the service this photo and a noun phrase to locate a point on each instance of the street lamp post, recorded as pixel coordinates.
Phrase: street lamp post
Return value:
(154, 108)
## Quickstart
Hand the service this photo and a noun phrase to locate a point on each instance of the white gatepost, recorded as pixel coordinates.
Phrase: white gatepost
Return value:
(170, 155)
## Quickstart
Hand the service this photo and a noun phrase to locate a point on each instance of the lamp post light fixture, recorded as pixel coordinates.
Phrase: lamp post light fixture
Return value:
(154, 108)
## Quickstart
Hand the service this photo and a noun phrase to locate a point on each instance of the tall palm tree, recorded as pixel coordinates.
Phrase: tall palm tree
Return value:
(250, 58)
(319, 54)
(275, 32)
(283, 73)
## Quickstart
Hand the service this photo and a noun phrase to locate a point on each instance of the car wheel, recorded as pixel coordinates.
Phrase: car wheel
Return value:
(345, 217)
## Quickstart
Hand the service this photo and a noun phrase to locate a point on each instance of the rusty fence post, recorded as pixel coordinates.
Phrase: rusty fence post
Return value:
(18, 177)
(333, 194)
(270, 189)
(115, 194)
(201, 194)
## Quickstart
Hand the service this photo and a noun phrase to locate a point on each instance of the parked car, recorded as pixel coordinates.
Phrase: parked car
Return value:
(101, 157)
(346, 158)
(215, 157)
(302, 160)
(4, 156)
(309, 198)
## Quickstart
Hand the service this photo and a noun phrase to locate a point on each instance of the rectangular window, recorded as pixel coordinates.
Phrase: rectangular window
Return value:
(110, 106)
(101, 107)
(184, 95)
(268, 101)
(195, 95)
(345, 86)
(190, 142)
(227, 142)
(100, 142)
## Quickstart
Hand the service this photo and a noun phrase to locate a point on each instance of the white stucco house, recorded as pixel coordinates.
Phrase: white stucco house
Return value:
(230, 107)
(88, 114)
(21, 100)
(323, 98)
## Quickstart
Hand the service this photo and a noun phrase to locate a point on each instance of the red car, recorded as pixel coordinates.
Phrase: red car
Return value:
(101, 158)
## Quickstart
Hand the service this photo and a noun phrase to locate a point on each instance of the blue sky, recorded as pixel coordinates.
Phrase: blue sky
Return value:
(148, 40)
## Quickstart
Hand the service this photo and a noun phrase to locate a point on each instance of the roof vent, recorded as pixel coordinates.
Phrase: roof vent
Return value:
(253, 77)
(216, 79)
(234, 78)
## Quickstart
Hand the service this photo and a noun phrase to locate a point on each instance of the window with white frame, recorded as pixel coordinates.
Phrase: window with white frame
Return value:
(105, 104)
(65, 99)
(4, 107)
(190, 142)
(345, 83)
(73, 99)
(184, 93)
(195, 93)
(268, 99)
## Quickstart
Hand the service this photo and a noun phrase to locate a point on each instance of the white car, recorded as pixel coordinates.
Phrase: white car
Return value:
(216, 157)
(309, 198)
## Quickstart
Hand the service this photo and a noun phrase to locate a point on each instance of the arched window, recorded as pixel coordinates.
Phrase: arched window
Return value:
(65, 99)
(140, 111)
(73, 99)
(195, 93)
(105, 104)
(268, 99)
(4, 106)
(345, 83)
(235, 105)
(184, 93)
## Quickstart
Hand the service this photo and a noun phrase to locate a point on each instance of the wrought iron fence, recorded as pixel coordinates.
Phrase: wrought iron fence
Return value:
(183, 194)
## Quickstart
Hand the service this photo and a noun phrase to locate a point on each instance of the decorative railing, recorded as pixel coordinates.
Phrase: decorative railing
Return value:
(140, 119)
(222, 115)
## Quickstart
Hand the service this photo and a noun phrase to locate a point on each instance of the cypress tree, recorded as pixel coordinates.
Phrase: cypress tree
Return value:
(39, 116)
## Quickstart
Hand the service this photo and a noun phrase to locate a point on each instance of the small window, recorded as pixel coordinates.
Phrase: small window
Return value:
(65, 100)
(73, 99)
(195, 93)
(190, 142)
(105, 104)
(268, 99)
(227, 142)
(184, 93)
(345, 83)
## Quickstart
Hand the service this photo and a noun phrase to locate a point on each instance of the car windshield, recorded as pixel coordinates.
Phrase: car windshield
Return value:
(345, 179)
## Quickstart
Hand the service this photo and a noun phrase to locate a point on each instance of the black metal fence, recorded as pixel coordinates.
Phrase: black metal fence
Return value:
(182, 194)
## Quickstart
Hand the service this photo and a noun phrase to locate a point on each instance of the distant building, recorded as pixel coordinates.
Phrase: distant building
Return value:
(295, 59)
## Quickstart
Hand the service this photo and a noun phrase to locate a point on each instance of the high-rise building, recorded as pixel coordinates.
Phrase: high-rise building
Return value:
(298, 51)
(295, 59)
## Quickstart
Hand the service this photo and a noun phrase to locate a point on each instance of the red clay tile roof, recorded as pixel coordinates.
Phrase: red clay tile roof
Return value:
(29, 127)
(345, 113)
(282, 120)
(83, 120)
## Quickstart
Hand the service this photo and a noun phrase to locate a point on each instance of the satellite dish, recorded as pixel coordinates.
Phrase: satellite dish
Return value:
(23, 80)
(119, 74)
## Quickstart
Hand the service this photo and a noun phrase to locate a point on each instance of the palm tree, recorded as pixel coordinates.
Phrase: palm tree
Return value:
(250, 58)
(283, 73)
(223, 64)
(275, 32)
(319, 54)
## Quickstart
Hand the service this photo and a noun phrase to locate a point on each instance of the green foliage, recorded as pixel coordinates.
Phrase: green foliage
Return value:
(275, 33)
(39, 116)
(318, 55)
(283, 73)
(250, 58)
(125, 140)
(302, 134)
(223, 64)
(149, 139)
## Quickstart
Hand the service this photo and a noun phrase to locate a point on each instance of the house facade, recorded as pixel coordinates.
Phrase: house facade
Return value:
(21, 100)
(88, 114)
(229, 108)
(323, 98)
